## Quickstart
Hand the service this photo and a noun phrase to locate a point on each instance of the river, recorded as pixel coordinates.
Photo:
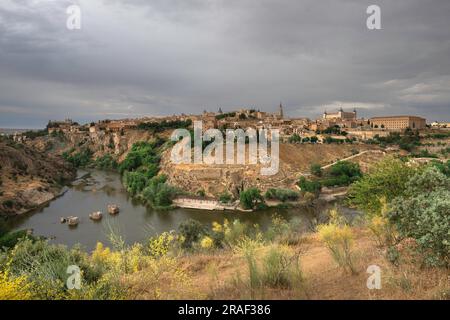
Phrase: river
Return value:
(93, 190)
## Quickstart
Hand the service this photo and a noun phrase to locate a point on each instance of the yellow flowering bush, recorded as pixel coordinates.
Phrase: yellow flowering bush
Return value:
(336, 217)
(338, 239)
(207, 242)
(104, 256)
(14, 288)
(234, 231)
(128, 260)
(136, 259)
(217, 227)
(383, 231)
(160, 245)
(162, 279)
(100, 254)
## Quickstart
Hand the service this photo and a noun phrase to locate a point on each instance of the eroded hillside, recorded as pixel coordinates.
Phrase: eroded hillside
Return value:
(295, 160)
(29, 177)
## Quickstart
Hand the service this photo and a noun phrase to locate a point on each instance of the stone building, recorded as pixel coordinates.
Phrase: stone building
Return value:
(61, 126)
(340, 115)
(398, 122)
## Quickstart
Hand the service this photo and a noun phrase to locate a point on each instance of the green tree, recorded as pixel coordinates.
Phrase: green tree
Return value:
(281, 194)
(316, 169)
(225, 197)
(192, 231)
(306, 185)
(387, 179)
(422, 213)
(250, 198)
(295, 138)
(159, 194)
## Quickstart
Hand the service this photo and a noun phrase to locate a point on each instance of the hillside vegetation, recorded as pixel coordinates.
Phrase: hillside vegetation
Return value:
(28, 177)
(404, 234)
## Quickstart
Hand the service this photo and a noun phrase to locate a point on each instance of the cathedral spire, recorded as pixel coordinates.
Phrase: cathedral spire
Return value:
(281, 111)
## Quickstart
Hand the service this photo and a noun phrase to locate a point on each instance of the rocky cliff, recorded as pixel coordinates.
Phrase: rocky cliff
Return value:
(294, 160)
(29, 177)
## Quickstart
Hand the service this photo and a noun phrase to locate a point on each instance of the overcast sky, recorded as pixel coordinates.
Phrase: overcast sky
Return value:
(154, 57)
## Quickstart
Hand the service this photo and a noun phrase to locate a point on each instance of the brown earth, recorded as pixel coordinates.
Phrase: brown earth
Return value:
(295, 160)
(29, 177)
(224, 275)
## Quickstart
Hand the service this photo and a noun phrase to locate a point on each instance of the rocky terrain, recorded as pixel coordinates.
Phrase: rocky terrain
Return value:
(295, 160)
(100, 144)
(29, 178)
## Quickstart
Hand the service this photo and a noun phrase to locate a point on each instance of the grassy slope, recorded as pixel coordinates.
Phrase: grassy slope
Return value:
(213, 276)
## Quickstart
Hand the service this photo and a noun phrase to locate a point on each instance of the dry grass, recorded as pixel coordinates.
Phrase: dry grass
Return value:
(224, 275)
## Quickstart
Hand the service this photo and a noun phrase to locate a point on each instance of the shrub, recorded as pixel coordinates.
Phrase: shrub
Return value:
(45, 266)
(163, 279)
(201, 193)
(283, 231)
(225, 198)
(342, 173)
(106, 162)
(281, 194)
(250, 198)
(316, 169)
(443, 167)
(295, 138)
(163, 125)
(35, 134)
(135, 181)
(159, 194)
(423, 214)
(277, 268)
(429, 180)
(234, 231)
(280, 268)
(383, 230)
(338, 239)
(160, 245)
(14, 288)
(80, 159)
(191, 231)
(313, 187)
(207, 242)
(143, 154)
(386, 180)
(10, 239)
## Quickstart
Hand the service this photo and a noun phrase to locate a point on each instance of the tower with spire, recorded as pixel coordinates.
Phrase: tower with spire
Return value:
(280, 112)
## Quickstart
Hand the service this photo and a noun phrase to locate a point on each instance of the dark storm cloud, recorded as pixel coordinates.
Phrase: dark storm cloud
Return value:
(136, 57)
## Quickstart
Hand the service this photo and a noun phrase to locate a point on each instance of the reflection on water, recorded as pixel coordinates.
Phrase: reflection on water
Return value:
(94, 190)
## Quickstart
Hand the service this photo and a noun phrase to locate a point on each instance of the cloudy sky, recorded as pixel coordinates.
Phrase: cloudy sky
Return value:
(154, 57)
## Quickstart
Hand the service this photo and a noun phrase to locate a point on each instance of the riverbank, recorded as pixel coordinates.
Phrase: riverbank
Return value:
(29, 178)
(210, 204)
(95, 189)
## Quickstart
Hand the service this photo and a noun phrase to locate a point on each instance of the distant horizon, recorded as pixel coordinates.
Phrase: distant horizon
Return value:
(133, 58)
(86, 121)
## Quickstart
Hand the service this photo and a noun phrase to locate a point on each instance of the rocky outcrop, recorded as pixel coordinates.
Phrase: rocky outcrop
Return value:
(100, 143)
(295, 160)
(29, 177)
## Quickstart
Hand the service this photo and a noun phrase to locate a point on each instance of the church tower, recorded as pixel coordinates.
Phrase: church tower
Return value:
(281, 111)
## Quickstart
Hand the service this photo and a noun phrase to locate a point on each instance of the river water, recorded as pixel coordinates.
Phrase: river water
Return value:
(94, 190)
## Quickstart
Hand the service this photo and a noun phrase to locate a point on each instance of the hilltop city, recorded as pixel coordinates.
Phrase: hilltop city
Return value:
(330, 123)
